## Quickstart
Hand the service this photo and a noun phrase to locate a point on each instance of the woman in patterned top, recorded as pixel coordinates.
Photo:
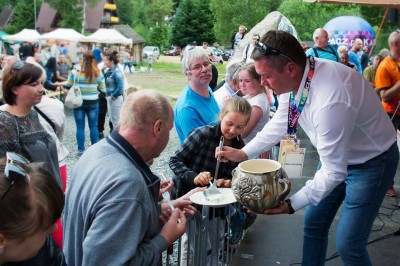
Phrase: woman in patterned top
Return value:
(20, 128)
(90, 80)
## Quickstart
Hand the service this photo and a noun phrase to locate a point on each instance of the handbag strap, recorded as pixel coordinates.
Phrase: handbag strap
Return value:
(45, 118)
(75, 77)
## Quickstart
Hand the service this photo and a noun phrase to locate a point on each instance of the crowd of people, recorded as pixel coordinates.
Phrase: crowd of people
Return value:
(113, 211)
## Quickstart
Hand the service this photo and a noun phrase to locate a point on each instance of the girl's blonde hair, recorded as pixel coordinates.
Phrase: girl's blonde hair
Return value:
(239, 105)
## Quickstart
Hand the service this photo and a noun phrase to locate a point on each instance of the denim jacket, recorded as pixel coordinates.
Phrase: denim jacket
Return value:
(114, 82)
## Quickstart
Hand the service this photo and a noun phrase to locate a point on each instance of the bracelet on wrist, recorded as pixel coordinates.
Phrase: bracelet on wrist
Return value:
(289, 203)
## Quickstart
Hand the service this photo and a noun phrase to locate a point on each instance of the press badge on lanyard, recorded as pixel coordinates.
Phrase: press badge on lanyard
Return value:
(291, 156)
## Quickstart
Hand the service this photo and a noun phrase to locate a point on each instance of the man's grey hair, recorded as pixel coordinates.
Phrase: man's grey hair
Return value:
(393, 37)
(142, 108)
(192, 55)
(232, 70)
(384, 52)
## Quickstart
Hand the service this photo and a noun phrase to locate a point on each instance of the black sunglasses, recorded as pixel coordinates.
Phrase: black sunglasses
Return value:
(267, 50)
(18, 65)
(14, 173)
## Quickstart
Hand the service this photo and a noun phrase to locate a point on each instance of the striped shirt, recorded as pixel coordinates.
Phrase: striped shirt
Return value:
(89, 90)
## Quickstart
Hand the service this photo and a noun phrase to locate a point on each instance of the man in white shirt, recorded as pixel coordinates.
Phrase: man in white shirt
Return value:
(352, 133)
(231, 86)
(249, 48)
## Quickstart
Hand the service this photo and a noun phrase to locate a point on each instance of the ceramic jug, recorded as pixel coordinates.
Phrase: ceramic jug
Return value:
(260, 184)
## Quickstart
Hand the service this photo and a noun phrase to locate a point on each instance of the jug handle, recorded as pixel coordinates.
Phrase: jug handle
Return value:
(287, 186)
(233, 172)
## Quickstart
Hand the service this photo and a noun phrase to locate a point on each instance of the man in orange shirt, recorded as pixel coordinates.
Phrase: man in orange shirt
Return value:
(387, 81)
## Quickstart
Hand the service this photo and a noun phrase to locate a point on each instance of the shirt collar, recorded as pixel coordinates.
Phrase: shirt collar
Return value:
(130, 151)
(303, 82)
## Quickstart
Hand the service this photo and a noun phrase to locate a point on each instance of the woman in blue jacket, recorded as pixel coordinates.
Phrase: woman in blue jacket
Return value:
(114, 86)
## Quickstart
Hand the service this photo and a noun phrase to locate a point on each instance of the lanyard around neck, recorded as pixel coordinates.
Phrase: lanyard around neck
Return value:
(294, 110)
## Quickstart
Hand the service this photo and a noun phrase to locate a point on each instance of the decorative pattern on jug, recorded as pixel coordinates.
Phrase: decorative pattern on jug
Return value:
(260, 184)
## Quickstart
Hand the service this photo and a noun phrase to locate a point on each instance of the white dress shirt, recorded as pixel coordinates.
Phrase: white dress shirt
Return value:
(222, 94)
(344, 120)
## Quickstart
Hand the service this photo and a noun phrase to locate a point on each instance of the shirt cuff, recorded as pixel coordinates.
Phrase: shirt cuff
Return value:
(299, 200)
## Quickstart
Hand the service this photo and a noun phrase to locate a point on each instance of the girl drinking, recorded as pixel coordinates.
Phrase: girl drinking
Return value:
(250, 85)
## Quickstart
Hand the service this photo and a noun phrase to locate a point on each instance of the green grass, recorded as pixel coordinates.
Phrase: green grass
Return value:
(163, 66)
(178, 67)
(166, 78)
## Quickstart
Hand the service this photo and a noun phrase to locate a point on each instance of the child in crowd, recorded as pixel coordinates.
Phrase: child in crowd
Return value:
(196, 171)
(150, 62)
(250, 86)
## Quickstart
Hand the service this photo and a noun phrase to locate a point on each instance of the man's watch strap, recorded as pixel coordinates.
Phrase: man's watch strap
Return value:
(289, 203)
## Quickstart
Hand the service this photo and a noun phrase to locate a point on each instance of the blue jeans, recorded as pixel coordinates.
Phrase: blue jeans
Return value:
(92, 111)
(129, 66)
(362, 194)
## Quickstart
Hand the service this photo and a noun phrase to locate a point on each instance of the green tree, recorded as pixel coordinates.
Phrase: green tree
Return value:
(306, 17)
(374, 16)
(159, 9)
(125, 11)
(4, 3)
(230, 15)
(159, 36)
(71, 11)
(24, 16)
(193, 22)
(140, 20)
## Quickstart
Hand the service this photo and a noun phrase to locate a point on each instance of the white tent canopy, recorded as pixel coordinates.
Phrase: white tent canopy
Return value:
(25, 35)
(110, 36)
(63, 35)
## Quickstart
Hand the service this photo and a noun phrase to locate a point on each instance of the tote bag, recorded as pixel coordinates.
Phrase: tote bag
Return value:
(74, 96)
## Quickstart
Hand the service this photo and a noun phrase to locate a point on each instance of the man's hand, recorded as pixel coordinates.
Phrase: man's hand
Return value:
(231, 154)
(202, 179)
(172, 230)
(191, 192)
(281, 209)
(165, 186)
(184, 203)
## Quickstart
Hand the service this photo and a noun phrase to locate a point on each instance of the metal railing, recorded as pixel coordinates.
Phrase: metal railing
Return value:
(206, 239)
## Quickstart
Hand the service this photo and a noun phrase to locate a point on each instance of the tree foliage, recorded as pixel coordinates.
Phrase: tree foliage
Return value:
(193, 22)
(24, 16)
(4, 3)
(71, 11)
(202, 20)
(125, 11)
(306, 17)
(159, 36)
(159, 9)
(229, 15)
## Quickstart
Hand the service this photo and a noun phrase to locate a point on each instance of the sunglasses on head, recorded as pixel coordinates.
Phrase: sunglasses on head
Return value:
(14, 173)
(264, 49)
(18, 65)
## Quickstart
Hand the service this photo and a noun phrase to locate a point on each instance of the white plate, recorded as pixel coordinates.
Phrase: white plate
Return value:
(227, 198)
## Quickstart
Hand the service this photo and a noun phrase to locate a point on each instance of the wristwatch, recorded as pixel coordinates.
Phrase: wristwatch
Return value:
(289, 203)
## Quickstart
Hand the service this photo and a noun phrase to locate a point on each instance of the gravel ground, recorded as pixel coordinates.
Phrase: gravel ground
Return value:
(160, 163)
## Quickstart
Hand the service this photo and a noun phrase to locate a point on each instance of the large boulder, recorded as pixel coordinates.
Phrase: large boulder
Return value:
(273, 21)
